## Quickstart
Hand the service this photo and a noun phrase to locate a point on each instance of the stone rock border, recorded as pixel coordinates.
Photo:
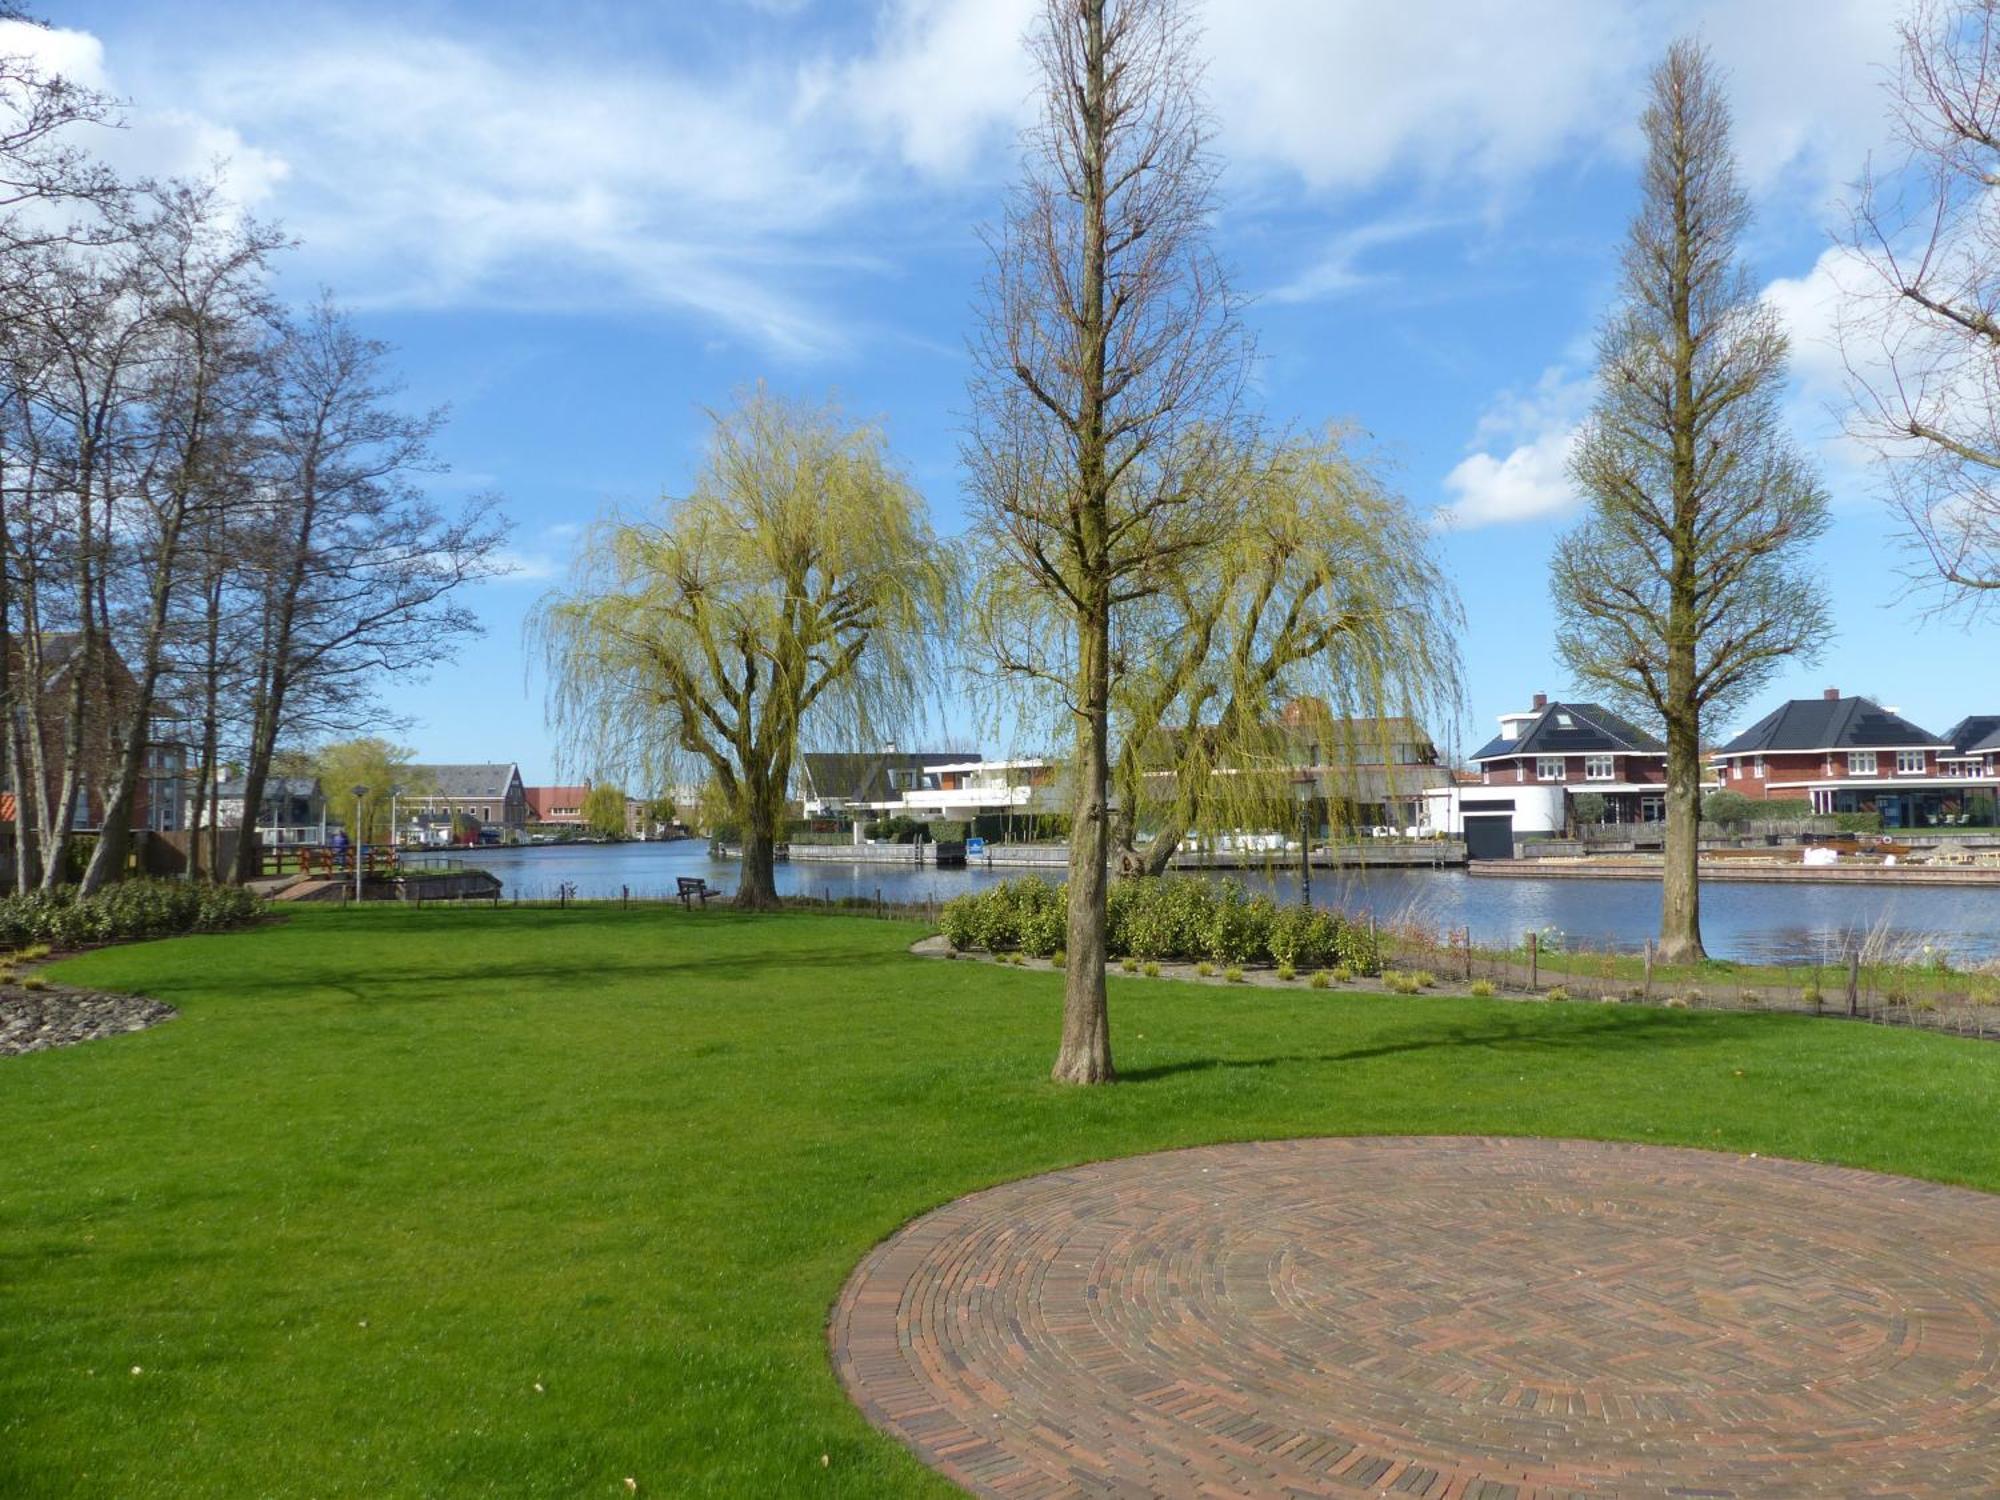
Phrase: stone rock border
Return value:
(1442, 1317)
(34, 1020)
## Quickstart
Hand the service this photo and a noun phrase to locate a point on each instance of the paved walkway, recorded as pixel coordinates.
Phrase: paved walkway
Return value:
(1445, 1318)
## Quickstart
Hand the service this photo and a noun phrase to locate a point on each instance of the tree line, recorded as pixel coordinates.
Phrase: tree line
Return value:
(213, 527)
(1154, 567)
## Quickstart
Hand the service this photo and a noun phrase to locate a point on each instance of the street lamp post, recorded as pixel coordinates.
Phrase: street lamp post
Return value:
(1305, 784)
(395, 831)
(359, 841)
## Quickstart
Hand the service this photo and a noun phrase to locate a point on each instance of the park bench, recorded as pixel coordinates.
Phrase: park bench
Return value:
(694, 888)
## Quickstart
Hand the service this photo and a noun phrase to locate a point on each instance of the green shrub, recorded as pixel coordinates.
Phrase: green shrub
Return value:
(1204, 968)
(1557, 994)
(960, 921)
(1358, 949)
(1482, 989)
(1287, 972)
(1811, 994)
(1321, 979)
(1233, 974)
(1239, 929)
(36, 920)
(1341, 973)
(1858, 822)
(1152, 969)
(1129, 964)
(948, 830)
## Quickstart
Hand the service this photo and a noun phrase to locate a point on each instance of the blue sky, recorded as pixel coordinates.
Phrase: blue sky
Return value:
(580, 225)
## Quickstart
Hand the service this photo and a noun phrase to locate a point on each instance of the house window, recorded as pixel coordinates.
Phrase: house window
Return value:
(1861, 763)
(1909, 762)
(1548, 768)
(1762, 773)
(1599, 767)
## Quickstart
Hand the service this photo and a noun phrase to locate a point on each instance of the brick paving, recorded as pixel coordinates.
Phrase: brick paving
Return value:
(1450, 1318)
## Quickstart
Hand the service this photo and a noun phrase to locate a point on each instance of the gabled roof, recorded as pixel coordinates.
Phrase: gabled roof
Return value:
(460, 781)
(1573, 729)
(274, 786)
(1977, 735)
(1829, 724)
(863, 776)
(543, 800)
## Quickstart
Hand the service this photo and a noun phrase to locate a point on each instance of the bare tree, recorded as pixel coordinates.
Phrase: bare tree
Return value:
(1109, 367)
(356, 572)
(1683, 590)
(1920, 325)
(197, 279)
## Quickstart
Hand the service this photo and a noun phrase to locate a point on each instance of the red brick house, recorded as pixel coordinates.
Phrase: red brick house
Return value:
(558, 805)
(160, 802)
(1581, 748)
(1851, 755)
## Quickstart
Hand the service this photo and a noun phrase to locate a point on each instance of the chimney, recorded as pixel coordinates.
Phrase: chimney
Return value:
(1832, 695)
(1541, 701)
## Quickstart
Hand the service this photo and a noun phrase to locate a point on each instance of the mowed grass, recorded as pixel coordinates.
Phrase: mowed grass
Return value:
(528, 1202)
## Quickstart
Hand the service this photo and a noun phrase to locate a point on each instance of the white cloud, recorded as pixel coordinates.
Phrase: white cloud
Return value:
(160, 139)
(1520, 472)
(946, 82)
(1339, 271)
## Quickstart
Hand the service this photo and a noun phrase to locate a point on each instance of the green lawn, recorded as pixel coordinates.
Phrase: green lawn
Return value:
(392, 1169)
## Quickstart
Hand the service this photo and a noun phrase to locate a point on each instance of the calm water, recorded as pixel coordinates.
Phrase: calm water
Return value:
(1790, 923)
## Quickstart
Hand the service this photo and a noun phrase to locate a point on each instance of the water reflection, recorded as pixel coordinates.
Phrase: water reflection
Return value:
(1777, 923)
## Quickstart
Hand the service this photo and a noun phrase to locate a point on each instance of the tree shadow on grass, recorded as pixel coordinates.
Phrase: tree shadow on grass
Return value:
(1630, 1031)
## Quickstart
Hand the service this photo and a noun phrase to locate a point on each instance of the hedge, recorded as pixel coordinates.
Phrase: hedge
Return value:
(133, 909)
(1164, 917)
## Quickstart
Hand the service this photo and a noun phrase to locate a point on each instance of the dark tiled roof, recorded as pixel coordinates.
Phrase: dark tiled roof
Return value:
(274, 786)
(863, 776)
(1574, 729)
(1829, 724)
(1975, 735)
(460, 781)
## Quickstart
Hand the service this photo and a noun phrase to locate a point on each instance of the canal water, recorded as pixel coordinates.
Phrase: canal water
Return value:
(1792, 923)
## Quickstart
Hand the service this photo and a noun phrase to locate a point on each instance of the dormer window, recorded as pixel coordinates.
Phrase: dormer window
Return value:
(1564, 721)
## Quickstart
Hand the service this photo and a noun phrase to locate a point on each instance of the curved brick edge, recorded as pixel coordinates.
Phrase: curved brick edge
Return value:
(890, 1341)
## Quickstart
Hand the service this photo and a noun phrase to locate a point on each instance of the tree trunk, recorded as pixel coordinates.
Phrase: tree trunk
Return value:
(1680, 887)
(1085, 1054)
(757, 882)
(1160, 852)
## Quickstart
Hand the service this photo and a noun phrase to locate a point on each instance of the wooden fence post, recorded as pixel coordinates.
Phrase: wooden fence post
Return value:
(1468, 953)
(1534, 960)
(1649, 971)
(1854, 983)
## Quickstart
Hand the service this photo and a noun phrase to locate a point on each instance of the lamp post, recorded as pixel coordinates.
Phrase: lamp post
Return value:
(395, 831)
(359, 839)
(1304, 783)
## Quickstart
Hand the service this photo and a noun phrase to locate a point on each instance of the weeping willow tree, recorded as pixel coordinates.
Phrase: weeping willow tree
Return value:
(795, 596)
(1298, 659)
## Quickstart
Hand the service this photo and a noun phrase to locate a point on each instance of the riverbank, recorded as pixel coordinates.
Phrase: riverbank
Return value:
(1743, 871)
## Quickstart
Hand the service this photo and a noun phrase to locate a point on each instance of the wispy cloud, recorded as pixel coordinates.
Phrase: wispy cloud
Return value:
(1339, 270)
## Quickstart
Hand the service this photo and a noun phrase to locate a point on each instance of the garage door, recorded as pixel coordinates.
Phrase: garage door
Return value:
(1489, 835)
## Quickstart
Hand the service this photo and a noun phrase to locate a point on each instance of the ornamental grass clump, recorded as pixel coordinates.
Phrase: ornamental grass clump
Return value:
(1321, 979)
(1151, 969)
(1558, 995)
(1287, 972)
(1233, 974)
(1481, 989)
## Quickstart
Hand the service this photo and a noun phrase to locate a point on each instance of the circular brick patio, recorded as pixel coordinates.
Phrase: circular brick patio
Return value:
(1488, 1319)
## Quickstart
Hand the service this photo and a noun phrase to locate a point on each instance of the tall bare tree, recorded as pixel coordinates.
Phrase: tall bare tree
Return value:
(797, 594)
(356, 571)
(1109, 367)
(1920, 327)
(1684, 588)
(197, 278)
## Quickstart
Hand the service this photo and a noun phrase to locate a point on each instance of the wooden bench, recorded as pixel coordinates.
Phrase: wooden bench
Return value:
(694, 888)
